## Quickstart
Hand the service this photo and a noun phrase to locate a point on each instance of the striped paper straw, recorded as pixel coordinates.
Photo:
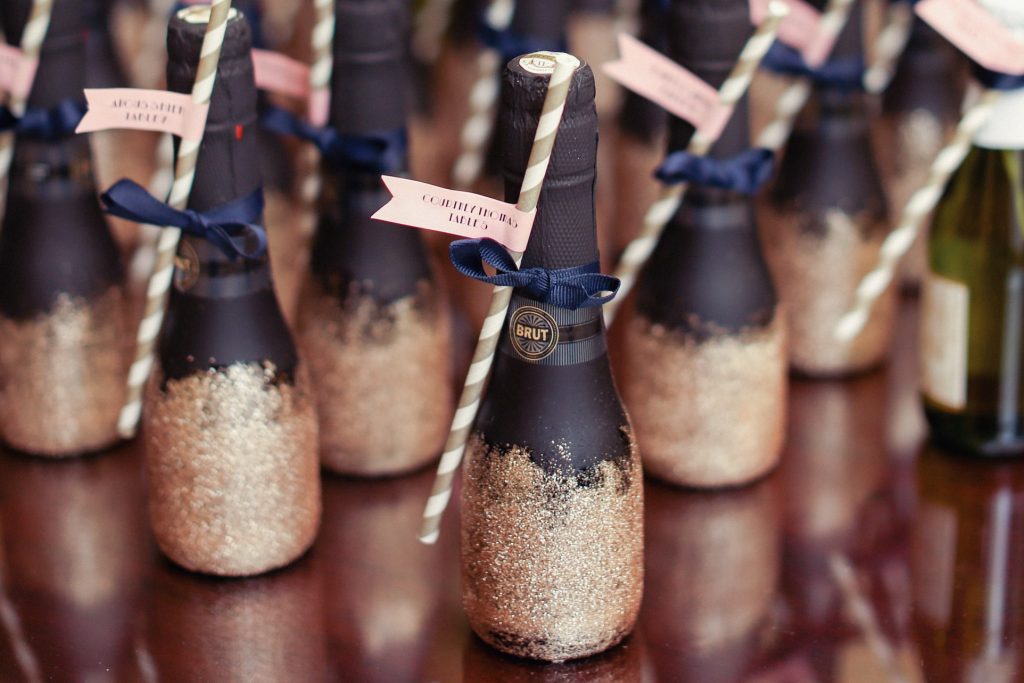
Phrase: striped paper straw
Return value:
(529, 194)
(735, 86)
(429, 29)
(31, 42)
(920, 204)
(794, 98)
(889, 45)
(483, 98)
(163, 269)
(320, 93)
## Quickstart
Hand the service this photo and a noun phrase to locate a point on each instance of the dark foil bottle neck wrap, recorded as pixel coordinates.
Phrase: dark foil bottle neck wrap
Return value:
(222, 311)
(352, 254)
(54, 239)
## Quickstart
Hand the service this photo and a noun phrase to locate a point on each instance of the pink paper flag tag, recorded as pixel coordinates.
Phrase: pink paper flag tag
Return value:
(651, 74)
(280, 74)
(158, 110)
(800, 29)
(17, 72)
(420, 205)
(976, 32)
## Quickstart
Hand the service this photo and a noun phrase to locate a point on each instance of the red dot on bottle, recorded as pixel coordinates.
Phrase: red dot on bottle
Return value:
(239, 132)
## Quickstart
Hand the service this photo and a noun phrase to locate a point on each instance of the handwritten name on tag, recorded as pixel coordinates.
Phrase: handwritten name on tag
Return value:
(17, 72)
(976, 32)
(157, 110)
(801, 29)
(651, 74)
(421, 205)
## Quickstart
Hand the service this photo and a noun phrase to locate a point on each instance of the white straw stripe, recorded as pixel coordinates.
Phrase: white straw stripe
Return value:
(451, 459)
(437, 503)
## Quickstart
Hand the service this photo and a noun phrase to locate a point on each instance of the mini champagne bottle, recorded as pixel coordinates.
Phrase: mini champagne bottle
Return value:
(62, 317)
(372, 319)
(230, 424)
(972, 326)
(552, 497)
(704, 358)
(920, 109)
(824, 221)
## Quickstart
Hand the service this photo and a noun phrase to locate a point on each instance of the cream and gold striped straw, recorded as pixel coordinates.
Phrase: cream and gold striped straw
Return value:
(794, 98)
(320, 92)
(639, 250)
(889, 46)
(31, 42)
(920, 204)
(483, 100)
(565, 66)
(184, 174)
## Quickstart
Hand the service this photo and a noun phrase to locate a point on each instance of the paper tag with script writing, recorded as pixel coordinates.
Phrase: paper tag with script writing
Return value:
(800, 29)
(974, 30)
(420, 205)
(651, 74)
(159, 110)
(17, 72)
(280, 74)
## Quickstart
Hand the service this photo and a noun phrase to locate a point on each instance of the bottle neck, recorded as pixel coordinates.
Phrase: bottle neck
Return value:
(1003, 129)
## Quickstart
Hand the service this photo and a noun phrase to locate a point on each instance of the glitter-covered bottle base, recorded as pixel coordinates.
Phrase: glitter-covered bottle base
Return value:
(234, 481)
(62, 376)
(707, 413)
(817, 263)
(382, 377)
(552, 565)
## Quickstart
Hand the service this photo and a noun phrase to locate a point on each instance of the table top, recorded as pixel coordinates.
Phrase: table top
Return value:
(866, 557)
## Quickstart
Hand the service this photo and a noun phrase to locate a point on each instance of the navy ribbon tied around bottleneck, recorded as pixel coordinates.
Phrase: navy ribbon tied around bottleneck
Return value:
(572, 288)
(843, 72)
(54, 123)
(746, 172)
(997, 80)
(230, 227)
(376, 153)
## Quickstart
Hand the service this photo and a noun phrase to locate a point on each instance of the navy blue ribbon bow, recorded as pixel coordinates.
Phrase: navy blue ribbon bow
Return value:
(231, 227)
(510, 44)
(54, 123)
(579, 287)
(376, 153)
(746, 172)
(996, 79)
(844, 72)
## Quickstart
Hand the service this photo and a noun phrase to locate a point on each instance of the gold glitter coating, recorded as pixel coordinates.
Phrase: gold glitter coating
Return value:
(382, 378)
(234, 481)
(818, 260)
(710, 412)
(62, 376)
(552, 565)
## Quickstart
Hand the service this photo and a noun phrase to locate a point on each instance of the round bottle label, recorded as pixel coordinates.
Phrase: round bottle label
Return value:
(533, 332)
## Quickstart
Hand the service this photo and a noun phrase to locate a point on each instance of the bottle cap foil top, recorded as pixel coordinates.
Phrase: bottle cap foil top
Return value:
(368, 84)
(228, 167)
(706, 37)
(564, 233)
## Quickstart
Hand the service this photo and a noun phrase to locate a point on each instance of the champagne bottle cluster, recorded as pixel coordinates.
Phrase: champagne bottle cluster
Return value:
(250, 405)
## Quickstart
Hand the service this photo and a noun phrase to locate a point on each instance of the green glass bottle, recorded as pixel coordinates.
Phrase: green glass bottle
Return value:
(973, 308)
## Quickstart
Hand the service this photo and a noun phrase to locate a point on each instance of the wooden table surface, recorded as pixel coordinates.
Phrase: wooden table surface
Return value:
(866, 557)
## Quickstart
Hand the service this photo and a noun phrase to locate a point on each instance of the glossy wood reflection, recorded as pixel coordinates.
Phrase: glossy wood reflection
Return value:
(865, 557)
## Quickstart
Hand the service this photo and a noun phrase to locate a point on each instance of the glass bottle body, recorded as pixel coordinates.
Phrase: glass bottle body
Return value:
(972, 346)
(822, 226)
(62, 309)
